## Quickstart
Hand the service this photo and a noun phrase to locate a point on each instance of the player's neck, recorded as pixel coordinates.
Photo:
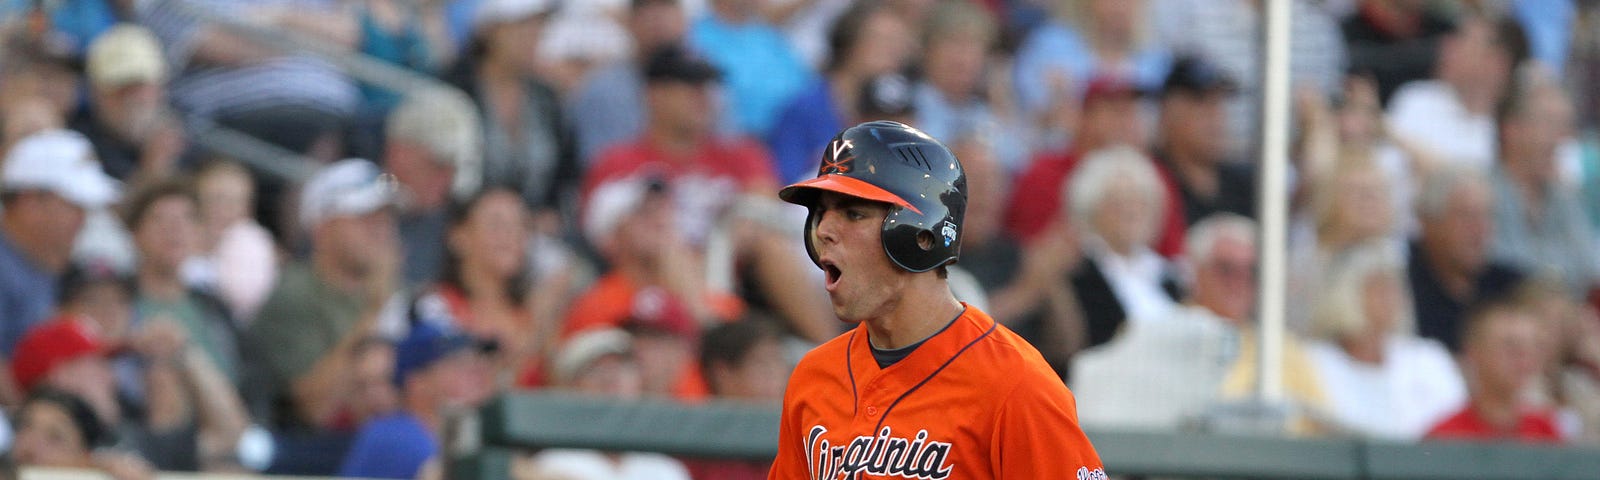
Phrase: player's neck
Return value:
(920, 313)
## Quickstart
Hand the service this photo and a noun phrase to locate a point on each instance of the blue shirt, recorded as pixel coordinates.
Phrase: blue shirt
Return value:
(1054, 47)
(806, 125)
(760, 70)
(391, 446)
(27, 295)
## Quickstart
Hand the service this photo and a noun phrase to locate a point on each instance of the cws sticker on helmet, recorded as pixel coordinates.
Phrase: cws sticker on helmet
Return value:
(949, 232)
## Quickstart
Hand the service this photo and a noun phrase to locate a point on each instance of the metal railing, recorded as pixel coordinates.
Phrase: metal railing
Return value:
(521, 422)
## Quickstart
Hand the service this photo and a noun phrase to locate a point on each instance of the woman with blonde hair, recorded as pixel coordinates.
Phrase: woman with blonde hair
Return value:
(1381, 379)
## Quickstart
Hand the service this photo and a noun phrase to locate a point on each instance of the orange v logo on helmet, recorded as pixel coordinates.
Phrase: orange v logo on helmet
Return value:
(838, 158)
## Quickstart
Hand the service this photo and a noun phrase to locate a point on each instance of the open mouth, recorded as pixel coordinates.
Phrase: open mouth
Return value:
(833, 274)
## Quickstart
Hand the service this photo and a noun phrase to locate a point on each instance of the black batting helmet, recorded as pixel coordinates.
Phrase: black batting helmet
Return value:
(916, 175)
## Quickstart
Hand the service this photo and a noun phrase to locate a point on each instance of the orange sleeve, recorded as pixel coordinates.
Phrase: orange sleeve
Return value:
(791, 460)
(1037, 435)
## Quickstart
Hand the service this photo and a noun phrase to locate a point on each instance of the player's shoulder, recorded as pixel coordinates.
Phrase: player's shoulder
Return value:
(1003, 350)
(829, 354)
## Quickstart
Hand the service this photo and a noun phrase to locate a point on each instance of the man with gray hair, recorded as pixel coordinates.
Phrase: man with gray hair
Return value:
(1450, 268)
(433, 145)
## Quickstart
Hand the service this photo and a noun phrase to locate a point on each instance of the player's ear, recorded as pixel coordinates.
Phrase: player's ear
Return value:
(925, 240)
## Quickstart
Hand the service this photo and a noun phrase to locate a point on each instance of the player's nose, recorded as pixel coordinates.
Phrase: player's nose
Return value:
(827, 227)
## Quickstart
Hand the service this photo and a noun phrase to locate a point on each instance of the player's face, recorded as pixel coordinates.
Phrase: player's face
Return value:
(861, 280)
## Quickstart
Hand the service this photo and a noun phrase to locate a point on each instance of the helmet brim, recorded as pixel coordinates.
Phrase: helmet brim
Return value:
(803, 192)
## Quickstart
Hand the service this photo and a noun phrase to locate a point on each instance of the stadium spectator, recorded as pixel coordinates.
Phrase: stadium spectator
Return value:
(1194, 148)
(609, 107)
(742, 361)
(321, 308)
(1397, 40)
(189, 415)
(526, 140)
(1451, 116)
(38, 66)
(433, 146)
(165, 224)
(1110, 117)
(1201, 353)
(135, 134)
(237, 260)
(1023, 281)
(651, 283)
(1084, 39)
(887, 97)
(1569, 382)
(1349, 205)
(412, 36)
(763, 71)
(722, 190)
(57, 429)
(601, 363)
(485, 289)
(48, 182)
(1499, 358)
(438, 371)
(1116, 201)
(376, 394)
(26, 116)
(1382, 380)
(1540, 224)
(867, 41)
(1450, 268)
(954, 97)
(1229, 33)
(580, 37)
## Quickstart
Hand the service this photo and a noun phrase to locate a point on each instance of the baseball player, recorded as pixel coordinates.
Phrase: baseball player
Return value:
(924, 387)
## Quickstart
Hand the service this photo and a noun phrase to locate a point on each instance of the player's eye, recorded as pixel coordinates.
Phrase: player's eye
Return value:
(855, 214)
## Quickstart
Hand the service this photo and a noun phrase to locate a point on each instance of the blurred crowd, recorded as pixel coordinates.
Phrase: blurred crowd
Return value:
(585, 201)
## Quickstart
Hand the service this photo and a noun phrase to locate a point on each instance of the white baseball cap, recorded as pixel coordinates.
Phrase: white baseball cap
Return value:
(125, 54)
(349, 187)
(62, 162)
(612, 202)
(503, 11)
(583, 349)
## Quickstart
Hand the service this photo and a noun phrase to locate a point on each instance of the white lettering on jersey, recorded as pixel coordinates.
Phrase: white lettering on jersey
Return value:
(883, 455)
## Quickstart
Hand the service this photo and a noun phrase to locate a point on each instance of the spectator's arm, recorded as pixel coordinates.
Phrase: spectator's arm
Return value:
(320, 391)
(442, 46)
(221, 411)
(337, 28)
(1046, 261)
(10, 394)
(776, 269)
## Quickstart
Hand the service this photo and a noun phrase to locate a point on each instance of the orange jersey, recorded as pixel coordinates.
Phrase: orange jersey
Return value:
(974, 401)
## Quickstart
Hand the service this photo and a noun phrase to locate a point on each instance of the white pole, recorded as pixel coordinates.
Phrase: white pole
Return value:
(1274, 198)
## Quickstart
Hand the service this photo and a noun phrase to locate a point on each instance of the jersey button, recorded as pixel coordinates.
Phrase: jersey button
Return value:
(872, 411)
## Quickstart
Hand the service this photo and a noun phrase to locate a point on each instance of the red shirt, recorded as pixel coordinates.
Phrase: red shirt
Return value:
(1036, 201)
(727, 166)
(1534, 426)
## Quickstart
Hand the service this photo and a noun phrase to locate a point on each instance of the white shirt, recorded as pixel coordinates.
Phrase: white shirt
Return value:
(1136, 281)
(1416, 386)
(1155, 374)
(1429, 113)
(594, 465)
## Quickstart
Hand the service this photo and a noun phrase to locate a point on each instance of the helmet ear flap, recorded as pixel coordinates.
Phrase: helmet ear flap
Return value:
(811, 235)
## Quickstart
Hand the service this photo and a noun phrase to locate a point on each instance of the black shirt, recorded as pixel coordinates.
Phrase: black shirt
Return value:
(1236, 192)
(1439, 315)
(885, 358)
